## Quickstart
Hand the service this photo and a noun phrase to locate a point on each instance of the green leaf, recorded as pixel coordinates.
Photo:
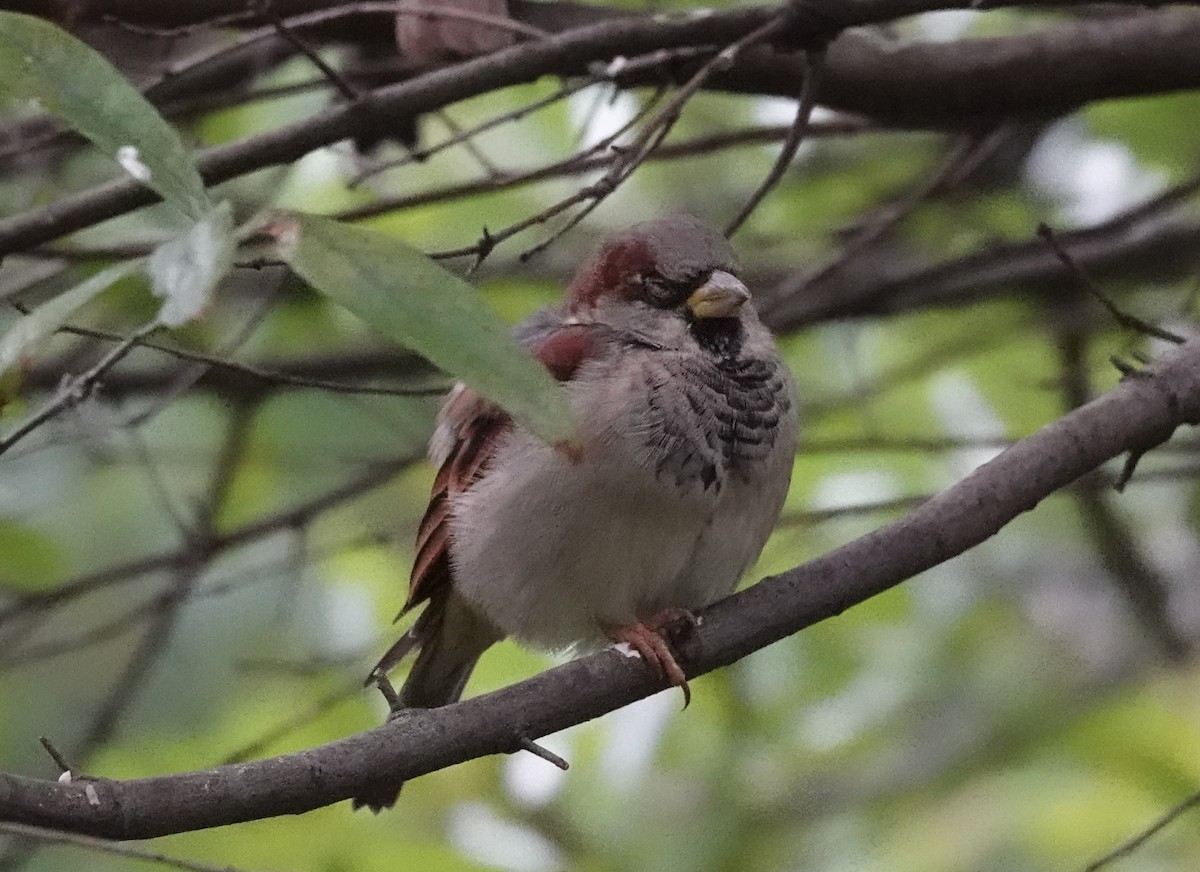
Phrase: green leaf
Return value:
(406, 296)
(43, 321)
(40, 61)
(184, 270)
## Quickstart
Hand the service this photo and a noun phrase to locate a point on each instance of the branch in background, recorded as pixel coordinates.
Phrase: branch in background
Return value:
(376, 476)
(1126, 849)
(1136, 414)
(103, 846)
(249, 381)
(1124, 319)
(1148, 240)
(384, 108)
(77, 388)
(885, 219)
(814, 64)
(652, 134)
(584, 163)
(1149, 53)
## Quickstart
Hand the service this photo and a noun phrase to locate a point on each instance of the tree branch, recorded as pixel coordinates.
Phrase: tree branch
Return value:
(1149, 240)
(960, 83)
(1141, 412)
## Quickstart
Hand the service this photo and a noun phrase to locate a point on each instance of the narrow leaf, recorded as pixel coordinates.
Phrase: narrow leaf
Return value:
(184, 270)
(22, 338)
(409, 298)
(40, 61)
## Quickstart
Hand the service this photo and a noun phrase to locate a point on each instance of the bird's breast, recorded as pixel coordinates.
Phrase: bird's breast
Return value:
(697, 420)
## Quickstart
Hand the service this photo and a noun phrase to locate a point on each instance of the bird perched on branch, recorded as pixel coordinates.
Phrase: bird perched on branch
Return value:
(686, 427)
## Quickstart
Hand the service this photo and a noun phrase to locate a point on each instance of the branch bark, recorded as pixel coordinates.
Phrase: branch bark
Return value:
(1141, 412)
(958, 84)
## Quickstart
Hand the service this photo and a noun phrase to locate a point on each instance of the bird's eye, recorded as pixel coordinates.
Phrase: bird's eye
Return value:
(665, 294)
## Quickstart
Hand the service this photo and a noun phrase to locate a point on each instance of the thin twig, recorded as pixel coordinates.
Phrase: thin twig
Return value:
(578, 165)
(265, 9)
(130, 683)
(654, 132)
(77, 389)
(264, 375)
(1124, 319)
(489, 240)
(884, 219)
(183, 29)
(1127, 848)
(599, 73)
(298, 720)
(59, 760)
(14, 656)
(375, 476)
(104, 846)
(157, 482)
(469, 145)
(524, 743)
(423, 154)
(819, 516)
(814, 66)
(190, 375)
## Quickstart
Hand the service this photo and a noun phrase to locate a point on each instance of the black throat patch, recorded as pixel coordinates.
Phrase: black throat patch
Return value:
(720, 337)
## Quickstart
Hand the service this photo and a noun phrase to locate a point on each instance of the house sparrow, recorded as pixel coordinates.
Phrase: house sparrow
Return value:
(686, 424)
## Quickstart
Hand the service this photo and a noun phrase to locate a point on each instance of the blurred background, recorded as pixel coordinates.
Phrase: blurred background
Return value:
(200, 560)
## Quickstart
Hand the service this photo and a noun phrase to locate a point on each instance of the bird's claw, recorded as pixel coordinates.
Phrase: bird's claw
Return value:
(649, 639)
(395, 706)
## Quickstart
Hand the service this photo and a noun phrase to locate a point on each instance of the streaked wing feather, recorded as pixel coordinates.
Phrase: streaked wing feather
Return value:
(468, 432)
(473, 427)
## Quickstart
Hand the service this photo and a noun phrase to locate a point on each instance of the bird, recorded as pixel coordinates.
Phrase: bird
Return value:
(686, 426)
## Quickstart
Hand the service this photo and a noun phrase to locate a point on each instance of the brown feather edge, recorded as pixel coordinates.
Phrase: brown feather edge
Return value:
(467, 461)
(479, 427)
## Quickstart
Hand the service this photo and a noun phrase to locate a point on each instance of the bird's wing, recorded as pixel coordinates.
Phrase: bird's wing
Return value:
(469, 430)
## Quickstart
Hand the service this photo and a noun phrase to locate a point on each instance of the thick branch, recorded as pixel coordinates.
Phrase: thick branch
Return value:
(957, 84)
(1141, 412)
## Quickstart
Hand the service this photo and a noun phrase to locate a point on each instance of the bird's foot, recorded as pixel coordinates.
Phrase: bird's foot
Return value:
(673, 622)
(396, 707)
(649, 639)
(381, 681)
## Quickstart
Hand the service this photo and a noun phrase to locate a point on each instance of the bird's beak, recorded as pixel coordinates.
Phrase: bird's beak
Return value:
(719, 297)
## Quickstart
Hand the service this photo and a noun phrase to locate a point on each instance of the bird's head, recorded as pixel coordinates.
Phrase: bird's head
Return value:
(677, 265)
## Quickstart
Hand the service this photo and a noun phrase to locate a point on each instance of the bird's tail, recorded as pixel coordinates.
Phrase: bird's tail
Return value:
(449, 637)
